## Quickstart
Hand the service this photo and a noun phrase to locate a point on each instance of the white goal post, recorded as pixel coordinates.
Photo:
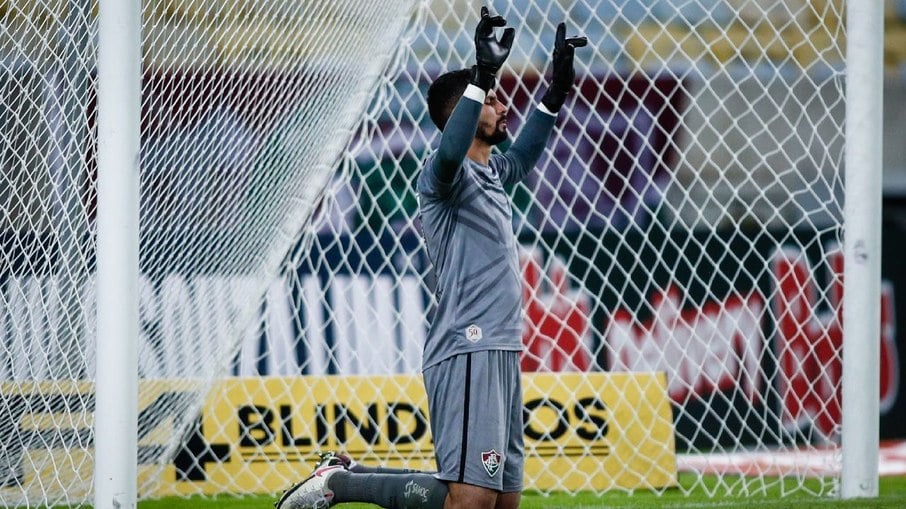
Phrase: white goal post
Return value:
(712, 186)
(864, 106)
(118, 154)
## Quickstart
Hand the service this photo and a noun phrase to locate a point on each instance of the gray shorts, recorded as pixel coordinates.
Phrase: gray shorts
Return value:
(475, 407)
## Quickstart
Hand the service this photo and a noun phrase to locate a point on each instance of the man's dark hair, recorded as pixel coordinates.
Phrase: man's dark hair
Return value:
(444, 93)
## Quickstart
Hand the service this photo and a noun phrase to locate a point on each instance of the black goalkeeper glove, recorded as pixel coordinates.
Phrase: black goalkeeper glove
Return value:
(563, 75)
(490, 53)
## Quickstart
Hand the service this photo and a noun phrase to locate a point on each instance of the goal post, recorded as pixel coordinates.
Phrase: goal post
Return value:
(861, 305)
(118, 154)
(711, 188)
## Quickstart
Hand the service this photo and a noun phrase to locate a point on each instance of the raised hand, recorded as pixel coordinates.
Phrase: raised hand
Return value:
(563, 75)
(490, 52)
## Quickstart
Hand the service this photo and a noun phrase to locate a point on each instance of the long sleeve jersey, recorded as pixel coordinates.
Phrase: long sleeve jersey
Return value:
(467, 226)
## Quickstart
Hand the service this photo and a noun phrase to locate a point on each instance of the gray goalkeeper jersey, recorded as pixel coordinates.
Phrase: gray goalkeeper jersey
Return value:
(467, 226)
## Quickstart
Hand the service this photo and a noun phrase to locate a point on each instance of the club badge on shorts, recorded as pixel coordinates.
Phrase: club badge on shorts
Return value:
(491, 461)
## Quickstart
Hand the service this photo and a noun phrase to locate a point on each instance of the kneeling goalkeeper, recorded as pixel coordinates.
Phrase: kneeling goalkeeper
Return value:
(471, 358)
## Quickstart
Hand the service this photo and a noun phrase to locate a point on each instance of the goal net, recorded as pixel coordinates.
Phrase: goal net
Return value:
(685, 221)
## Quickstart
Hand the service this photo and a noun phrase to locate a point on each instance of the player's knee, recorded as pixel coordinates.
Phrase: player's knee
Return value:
(508, 500)
(467, 496)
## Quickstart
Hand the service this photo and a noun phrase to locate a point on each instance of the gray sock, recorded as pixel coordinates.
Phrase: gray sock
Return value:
(391, 491)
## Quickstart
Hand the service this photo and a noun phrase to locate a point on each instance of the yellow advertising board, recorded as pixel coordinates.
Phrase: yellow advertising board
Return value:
(597, 431)
(583, 430)
(257, 435)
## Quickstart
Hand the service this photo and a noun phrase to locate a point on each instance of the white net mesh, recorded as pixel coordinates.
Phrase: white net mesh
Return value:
(698, 164)
(684, 219)
(246, 107)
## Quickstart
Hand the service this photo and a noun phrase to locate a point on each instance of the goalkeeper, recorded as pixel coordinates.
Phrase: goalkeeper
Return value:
(471, 357)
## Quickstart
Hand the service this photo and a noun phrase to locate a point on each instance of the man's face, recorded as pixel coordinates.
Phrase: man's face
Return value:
(492, 121)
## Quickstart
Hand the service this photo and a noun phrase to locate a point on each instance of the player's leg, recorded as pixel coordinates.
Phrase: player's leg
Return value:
(508, 500)
(395, 491)
(470, 405)
(337, 478)
(514, 466)
(333, 484)
(467, 496)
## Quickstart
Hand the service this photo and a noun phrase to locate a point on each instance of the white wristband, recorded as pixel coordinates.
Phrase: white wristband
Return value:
(543, 109)
(475, 93)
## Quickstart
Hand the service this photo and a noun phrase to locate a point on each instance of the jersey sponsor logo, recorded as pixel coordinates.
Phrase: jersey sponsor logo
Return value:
(491, 461)
(473, 333)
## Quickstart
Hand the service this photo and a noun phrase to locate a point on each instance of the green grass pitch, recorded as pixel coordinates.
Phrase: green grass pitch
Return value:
(892, 495)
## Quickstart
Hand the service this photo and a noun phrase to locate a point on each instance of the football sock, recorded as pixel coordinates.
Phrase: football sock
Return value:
(392, 491)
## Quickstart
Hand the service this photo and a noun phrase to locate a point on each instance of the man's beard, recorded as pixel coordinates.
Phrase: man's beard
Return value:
(497, 137)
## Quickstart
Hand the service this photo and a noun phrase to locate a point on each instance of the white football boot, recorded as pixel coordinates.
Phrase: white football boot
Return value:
(312, 493)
